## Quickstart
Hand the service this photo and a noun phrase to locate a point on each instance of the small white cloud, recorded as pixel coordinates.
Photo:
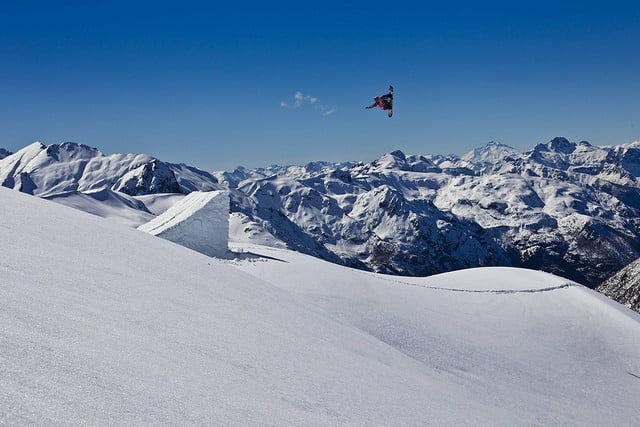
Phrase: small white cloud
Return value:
(325, 109)
(298, 97)
(300, 100)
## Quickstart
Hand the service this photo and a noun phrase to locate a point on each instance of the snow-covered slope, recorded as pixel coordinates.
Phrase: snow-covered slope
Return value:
(118, 207)
(488, 329)
(103, 324)
(624, 286)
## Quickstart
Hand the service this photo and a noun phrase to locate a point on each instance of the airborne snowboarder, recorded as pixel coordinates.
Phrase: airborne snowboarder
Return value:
(385, 102)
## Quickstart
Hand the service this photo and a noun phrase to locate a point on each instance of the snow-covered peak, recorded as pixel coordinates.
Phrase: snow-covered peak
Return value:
(394, 160)
(151, 177)
(24, 155)
(69, 151)
(563, 155)
(633, 144)
(627, 158)
(493, 152)
(420, 163)
(561, 144)
(40, 169)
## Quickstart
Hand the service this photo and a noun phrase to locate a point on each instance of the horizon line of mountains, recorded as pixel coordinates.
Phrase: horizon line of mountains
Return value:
(572, 209)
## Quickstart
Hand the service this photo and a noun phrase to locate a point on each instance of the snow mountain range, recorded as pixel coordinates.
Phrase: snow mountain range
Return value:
(44, 170)
(572, 209)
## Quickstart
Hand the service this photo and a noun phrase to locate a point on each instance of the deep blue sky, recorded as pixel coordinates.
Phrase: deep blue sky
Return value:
(214, 85)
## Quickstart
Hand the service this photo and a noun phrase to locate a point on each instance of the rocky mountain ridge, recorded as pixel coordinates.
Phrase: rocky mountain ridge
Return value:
(43, 170)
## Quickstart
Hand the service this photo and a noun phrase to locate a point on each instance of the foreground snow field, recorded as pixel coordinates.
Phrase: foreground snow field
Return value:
(104, 324)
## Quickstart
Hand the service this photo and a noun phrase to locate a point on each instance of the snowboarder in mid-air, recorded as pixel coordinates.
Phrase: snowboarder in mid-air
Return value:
(385, 102)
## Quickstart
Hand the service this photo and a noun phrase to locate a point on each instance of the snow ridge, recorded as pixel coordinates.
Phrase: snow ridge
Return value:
(44, 170)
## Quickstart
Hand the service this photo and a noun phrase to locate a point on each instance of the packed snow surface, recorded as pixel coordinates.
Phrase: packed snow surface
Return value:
(108, 204)
(104, 324)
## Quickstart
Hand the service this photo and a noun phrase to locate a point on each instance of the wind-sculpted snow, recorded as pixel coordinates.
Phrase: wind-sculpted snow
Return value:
(105, 203)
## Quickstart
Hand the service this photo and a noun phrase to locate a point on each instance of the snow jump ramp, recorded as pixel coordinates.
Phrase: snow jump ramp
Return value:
(200, 222)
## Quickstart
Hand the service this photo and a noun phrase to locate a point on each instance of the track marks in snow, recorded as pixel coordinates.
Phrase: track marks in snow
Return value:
(484, 291)
(386, 279)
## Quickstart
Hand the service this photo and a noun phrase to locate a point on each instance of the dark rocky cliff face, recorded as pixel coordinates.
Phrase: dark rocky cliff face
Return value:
(624, 286)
